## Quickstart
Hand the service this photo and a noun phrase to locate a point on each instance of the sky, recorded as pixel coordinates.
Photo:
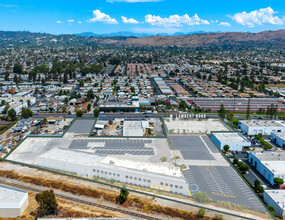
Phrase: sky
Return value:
(141, 16)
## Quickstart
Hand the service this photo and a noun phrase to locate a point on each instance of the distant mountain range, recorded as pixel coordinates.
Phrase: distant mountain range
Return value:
(132, 34)
(245, 40)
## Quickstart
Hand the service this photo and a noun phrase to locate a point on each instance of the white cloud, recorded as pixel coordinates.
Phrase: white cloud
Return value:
(258, 17)
(156, 30)
(8, 6)
(70, 21)
(99, 16)
(225, 24)
(133, 1)
(129, 21)
(79, 22)
(174, 20)
(59, 22)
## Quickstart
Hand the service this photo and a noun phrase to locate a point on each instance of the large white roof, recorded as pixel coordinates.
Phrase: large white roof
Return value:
(11, 198)
(230, 137)
(159, 168)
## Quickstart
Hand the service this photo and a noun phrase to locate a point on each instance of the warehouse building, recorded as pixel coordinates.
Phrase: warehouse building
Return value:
(269, 164)
(264, 127)
(278, 138)
(160, 176)
(275, 198)
(235, 141)
(136, 128)
(236, 104)
(12, 202)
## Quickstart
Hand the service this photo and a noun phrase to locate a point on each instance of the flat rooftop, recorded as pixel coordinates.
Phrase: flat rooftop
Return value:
(230, 137)
(90, 159)
(270, 156)
(160, 168)
(275, 161)
(280, 135)
(72, 156)
(264, 123)
(11, 198)
(278, 196)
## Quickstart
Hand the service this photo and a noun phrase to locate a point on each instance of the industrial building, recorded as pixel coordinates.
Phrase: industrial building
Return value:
(264, 127)
(160, 176)
(237, 104)
(12, 202)
(275, 198)
(163, 87)
(234, 140)
(278, 138)
(269, 164)
(137, 128)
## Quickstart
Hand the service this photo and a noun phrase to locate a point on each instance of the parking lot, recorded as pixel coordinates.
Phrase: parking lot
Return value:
(114, 146)
(222, 184)
(81, 126)
(194, 147)
(209, 172)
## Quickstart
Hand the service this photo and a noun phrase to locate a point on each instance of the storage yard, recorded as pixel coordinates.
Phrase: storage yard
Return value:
(128, 127)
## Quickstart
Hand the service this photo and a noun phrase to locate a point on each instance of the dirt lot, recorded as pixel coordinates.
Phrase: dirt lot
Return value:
(67, 209)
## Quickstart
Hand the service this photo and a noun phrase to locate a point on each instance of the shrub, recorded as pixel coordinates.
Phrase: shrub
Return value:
(218, 217)
(240, 163)
(201, 197)
(244, 167)
(278, 181)
(235, 160)
(201, 213)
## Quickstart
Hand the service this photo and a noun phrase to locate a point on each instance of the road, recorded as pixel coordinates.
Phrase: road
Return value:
(137, 115)
(73, 198)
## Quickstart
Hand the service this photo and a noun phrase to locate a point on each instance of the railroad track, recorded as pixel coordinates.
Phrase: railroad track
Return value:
(82, 201)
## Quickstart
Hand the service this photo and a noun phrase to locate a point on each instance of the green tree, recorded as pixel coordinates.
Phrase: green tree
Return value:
(47, 203)
(17, 68)
(123, 197)
(230, 115)
(44, 121)
(163, 159)
(79, 113)
(7, 76)
(235, 160)
(26, 113)
(244, 167)
(278, 181)
(65, 79)
(81, 83)
(89, 107)
(12, 114)
(96, 112)
(226, 148)
(222, 111)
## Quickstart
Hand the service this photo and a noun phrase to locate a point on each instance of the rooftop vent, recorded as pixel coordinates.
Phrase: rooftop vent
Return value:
(112, 162)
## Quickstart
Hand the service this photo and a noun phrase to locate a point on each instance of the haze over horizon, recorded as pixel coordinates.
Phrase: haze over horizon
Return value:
(141, 16)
